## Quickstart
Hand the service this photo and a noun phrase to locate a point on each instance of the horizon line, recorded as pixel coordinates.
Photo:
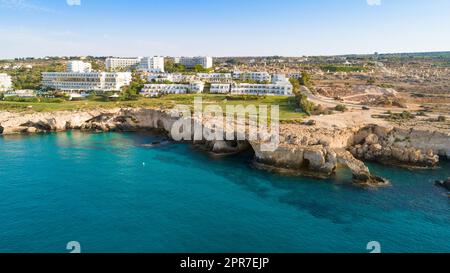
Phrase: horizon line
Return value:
(235, 56)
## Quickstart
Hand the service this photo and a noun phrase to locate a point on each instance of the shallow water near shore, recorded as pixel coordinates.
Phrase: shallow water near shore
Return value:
(111, 193)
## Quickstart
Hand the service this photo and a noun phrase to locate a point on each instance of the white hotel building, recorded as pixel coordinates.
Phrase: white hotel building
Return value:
(71, 81)
(262, 89)
(121, 63)
(253, 76)
(216, 77)
(155, 90)
(171, 77)
(5, 82)
(220, 88)
(78, 67)
(152, 64)
(280, 86)
(206, 62)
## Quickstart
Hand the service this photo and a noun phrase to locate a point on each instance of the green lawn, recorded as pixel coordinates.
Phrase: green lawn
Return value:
(286, 104)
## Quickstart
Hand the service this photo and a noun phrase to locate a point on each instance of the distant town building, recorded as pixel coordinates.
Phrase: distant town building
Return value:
(5, 82)
(152, 64)
(121, 63)
(204, 61)
(252, 76)
(78, 67)
(155, 90)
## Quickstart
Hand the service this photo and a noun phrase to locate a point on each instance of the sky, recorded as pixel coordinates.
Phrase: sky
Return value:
(37, 28)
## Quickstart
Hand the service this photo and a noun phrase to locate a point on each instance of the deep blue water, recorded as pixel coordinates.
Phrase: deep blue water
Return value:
(96, 189)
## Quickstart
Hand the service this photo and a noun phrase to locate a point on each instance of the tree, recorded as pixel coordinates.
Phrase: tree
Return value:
(295, 85)
(198, 68)
(171, 67)
(341, 108)
(306, 79)
(304, 104)
(131, 92)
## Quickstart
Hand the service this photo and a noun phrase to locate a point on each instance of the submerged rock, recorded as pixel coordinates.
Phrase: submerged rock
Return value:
(444, 184)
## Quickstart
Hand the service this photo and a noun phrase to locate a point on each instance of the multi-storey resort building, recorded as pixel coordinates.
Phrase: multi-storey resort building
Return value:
(155, 90)
(152, 64)
(5, 82)
(88, 80)
(206, 62)
(262, 89)
(170, 77)
(121, 63)
(78, 67)
(220, 88)
(215, 77)
(252, 76)
(280, 86)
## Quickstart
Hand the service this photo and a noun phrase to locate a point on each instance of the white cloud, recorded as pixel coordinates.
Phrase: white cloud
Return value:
(374, 2)
(73, 2)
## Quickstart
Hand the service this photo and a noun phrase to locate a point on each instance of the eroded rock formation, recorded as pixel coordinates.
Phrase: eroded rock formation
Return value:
(317, 149)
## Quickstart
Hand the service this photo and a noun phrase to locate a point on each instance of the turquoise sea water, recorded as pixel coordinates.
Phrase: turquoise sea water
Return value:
(111, 194)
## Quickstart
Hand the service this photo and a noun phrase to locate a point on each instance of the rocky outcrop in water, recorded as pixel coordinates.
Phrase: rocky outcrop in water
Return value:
(444, 184)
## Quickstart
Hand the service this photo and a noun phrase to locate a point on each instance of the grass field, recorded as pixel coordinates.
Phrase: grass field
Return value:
(286, 104)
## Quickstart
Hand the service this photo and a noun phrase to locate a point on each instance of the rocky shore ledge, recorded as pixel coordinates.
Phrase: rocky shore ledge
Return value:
(317, 149)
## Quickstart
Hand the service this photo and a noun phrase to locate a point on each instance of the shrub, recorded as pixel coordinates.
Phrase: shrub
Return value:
(341, 108)
(20, 99)
(405, 115)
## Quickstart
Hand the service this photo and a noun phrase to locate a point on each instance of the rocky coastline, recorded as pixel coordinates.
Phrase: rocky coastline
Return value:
(311, 150)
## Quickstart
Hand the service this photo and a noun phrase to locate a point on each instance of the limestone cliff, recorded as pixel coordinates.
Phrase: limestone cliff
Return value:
(316, 149)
